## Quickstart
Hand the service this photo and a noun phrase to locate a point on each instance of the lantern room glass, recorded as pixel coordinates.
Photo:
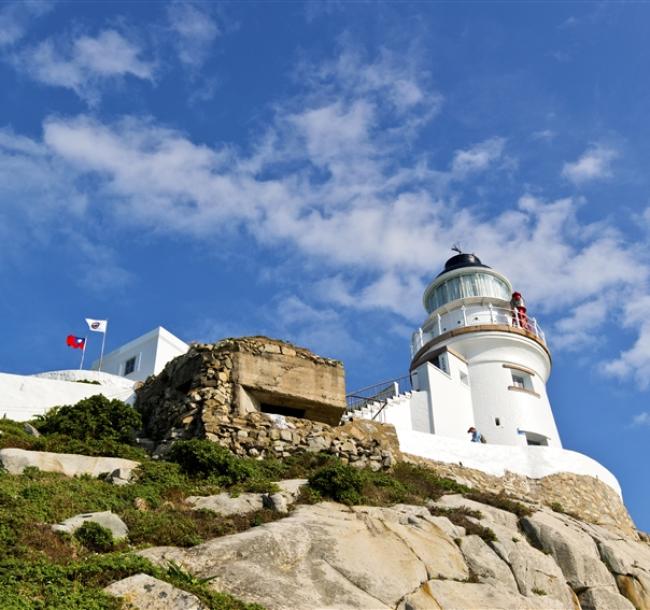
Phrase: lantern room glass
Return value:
(477, 284)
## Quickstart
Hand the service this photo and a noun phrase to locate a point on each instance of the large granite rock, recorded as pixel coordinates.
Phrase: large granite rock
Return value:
(325, 556)
(597, 598)
(532, 569)
(106, 519)
(486, 565)
(572, 548)
(449, 595)
(15, 461)
(224, 504)
(144, 592)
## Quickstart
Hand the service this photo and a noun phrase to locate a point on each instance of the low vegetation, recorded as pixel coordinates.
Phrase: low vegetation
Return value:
(42, 569)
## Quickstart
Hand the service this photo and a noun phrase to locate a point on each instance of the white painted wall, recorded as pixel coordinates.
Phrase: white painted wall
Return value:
(152, 351)
(450, 399)
(24, 396)
(490, 398)
(533, 462)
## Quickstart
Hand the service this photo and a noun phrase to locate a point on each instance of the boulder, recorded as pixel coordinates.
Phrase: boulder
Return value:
(15, 461)
(106, 519)
(144, 592)
(532, 569)
(603, 598)
(224, 504)
(636, 589)
(491, 515)
(572, 548)
(325, 556)
(485, 564)
(449, 595)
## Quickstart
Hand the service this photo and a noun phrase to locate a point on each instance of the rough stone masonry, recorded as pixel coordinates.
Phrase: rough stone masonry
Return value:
(260, 397)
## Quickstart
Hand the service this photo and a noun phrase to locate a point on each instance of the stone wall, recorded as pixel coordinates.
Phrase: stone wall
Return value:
(215, 391)
(586, 498)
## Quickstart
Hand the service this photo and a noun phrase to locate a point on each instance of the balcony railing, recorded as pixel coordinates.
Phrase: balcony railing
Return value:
(378, 392)
(473, 315)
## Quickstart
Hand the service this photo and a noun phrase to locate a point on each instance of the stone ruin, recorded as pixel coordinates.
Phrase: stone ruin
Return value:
(260, 397)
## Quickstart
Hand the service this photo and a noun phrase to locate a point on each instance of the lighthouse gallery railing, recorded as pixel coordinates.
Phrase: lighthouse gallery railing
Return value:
(473, 315)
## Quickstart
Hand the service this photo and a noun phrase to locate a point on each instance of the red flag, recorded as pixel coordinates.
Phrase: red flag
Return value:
(76, 342)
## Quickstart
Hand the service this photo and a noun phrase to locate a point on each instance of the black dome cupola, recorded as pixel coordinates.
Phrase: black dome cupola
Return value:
(462, 260)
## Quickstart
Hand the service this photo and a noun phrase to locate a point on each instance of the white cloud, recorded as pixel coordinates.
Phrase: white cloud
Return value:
(15, 18)
(333, 180)
(477, 158)
(642, 419)
(195, 32)
(594, 164)
(85, 63)
(545, 135)
(634, 363)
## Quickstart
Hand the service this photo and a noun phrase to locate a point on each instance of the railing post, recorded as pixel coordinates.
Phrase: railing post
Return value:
(421, 337)
(463, 309)
(439, 325)
(491, 308)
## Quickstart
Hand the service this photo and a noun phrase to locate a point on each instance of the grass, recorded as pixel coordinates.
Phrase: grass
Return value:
(38, 584)
(462, 516)
(62, 572)
(500, 501)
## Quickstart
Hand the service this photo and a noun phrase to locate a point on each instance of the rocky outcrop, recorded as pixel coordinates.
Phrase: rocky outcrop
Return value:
(224, 504)
(329, 556)
(144, 592)
(15, 461)
(106, 519)
(587, 498)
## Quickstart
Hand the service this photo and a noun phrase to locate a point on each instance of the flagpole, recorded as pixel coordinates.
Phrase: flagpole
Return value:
(83, 353)
(101, 355)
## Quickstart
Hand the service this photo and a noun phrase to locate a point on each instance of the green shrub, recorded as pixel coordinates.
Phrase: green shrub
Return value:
(501, 501)
(338, 481)
(462, 516)
(423, 482)
(95, 537)
(204, 459)
(95, 417)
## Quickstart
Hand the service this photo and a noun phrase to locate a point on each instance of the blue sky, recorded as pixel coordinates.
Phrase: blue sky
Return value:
(301, 170)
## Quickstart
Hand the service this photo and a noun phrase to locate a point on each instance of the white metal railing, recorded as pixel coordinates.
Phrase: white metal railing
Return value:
(473, 315)
(377, 392)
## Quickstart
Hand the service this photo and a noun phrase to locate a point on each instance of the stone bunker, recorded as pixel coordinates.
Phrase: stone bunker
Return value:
(260, 397)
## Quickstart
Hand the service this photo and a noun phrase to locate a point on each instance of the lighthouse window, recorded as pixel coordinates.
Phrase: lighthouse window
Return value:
(467, 285)
(521, 380)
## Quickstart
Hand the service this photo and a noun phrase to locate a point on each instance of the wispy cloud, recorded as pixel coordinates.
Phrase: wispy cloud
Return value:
(333, 179)
(194, 30)
(15, 18)
(594, 164)
(477, 158)
(86, 63)
(642, 419)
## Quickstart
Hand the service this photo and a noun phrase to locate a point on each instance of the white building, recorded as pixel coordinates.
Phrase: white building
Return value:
(478, 360)
(144, 356)
(22, 397)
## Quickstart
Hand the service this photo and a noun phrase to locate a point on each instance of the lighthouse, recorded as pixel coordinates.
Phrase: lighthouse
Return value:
(481, 360)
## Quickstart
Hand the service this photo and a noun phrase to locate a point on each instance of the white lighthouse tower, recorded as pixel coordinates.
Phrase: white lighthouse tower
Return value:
(481, 360)
(478, 361)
